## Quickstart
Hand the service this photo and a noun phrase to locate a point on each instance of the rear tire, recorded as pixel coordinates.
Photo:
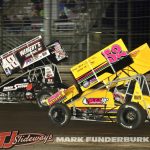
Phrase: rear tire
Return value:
(59, 114)
(131, 115)
(42, 95)
(47, 92)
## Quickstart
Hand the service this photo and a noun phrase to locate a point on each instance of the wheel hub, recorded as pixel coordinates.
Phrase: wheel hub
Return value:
(42, 100)
(58, 115)
(131, 116)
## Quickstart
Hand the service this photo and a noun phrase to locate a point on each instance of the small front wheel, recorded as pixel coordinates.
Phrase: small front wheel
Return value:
(59, 114)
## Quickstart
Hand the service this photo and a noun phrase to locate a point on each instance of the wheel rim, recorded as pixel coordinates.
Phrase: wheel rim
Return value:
(43, 97)
(58, 115)
(130, 116)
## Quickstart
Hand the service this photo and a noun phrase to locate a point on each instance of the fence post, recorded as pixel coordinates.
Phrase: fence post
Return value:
(129, 25)
(1, 30)
(47, 20)
(116, 19)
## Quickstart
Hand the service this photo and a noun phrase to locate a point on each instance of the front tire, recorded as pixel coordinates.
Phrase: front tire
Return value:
(131, 115)
(59, 114)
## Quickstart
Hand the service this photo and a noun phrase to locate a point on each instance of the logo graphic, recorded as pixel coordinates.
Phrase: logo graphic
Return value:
(95, 101)
(86, 84)
(10, 139)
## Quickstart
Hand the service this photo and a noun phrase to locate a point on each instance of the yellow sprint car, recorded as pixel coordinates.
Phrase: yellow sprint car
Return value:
(111, 86)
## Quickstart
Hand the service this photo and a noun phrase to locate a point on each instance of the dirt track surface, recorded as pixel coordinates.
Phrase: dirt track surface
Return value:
(28, 118)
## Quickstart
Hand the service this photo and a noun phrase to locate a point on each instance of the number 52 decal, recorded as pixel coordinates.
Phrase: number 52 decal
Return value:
(114, 54)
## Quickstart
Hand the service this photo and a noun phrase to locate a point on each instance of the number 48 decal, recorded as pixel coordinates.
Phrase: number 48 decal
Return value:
(114, 54)
(10, 62)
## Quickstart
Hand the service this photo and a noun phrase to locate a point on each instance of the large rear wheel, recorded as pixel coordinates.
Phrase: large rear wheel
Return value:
(44, 94)
(131, 115)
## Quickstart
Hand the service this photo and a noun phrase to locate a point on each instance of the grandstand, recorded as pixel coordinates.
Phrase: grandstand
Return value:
(82, 26)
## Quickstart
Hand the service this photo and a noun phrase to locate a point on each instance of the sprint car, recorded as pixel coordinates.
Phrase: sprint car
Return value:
(29, 68)
(110, 87)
